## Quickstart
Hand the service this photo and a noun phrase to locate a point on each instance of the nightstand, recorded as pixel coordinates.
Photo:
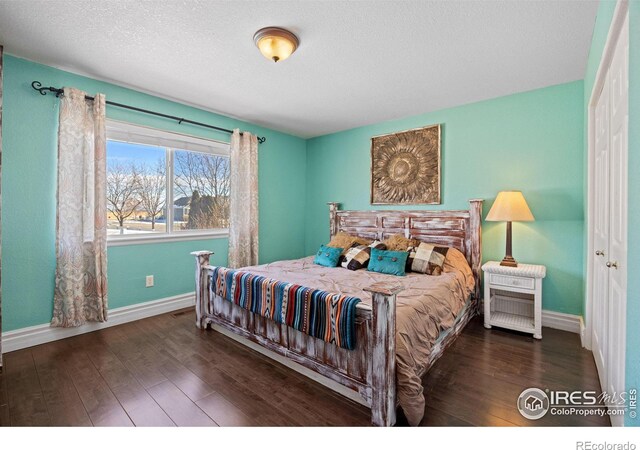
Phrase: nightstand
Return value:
(513, 297)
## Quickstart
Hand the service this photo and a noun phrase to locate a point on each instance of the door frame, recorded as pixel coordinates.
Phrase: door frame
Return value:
(615, 30)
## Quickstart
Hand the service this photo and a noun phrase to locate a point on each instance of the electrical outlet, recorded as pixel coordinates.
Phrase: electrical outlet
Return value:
(149, 282)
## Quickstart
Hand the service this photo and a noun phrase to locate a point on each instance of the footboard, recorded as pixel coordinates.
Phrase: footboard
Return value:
(369, 369)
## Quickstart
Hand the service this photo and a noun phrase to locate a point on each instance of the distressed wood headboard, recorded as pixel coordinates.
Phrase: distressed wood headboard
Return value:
(459, 229)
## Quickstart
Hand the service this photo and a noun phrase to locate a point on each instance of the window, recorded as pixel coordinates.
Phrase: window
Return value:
(164, 185)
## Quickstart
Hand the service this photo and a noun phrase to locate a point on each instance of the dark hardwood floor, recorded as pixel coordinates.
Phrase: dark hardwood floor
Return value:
(162, 371)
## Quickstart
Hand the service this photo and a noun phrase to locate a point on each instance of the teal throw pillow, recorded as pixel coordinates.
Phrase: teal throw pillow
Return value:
(328, 256)
(389, 262)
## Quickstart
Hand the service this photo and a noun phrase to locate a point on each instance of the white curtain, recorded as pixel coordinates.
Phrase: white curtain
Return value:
(243, 209)
(81, 231)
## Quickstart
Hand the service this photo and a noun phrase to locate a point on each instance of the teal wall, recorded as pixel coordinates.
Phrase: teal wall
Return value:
(29, 188)
(531, 141)
(603, 22)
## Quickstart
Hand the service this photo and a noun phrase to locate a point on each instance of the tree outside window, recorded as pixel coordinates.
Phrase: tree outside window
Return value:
(138, 189)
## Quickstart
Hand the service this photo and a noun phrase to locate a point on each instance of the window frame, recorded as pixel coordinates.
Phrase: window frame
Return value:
(139, 134)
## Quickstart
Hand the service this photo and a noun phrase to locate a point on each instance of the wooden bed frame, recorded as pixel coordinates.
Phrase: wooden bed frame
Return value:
(370, 368)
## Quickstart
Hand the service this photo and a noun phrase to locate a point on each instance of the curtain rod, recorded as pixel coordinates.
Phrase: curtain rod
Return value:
(59, 92)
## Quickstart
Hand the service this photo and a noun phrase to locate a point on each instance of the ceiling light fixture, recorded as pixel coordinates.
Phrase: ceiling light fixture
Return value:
(275, 43)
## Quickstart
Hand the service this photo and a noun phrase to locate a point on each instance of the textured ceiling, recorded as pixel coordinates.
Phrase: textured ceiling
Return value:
(358, 62)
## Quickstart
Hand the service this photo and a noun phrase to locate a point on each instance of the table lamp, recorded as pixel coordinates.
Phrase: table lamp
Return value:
(510, 206)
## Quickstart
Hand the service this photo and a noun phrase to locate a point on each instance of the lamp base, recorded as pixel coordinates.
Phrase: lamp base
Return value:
(509, 262)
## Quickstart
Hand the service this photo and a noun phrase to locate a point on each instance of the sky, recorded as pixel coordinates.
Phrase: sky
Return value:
(124, 153)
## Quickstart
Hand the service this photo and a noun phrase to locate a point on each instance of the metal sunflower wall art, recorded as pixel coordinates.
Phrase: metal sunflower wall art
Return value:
(405, 167)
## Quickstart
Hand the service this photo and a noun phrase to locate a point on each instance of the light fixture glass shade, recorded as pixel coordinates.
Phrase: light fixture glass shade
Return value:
(276, 44)
(510, 206)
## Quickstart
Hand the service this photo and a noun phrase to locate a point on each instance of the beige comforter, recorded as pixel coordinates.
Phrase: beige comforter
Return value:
(427, 306)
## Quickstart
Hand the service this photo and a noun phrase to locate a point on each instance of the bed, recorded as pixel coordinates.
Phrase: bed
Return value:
(402, 325)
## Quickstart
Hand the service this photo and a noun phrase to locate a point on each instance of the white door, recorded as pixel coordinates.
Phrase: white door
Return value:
(601, 233)
(617, 259)
(609, 295)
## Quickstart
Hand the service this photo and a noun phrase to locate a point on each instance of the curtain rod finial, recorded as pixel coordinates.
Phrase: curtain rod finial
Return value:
(43, 90)
(38, 87)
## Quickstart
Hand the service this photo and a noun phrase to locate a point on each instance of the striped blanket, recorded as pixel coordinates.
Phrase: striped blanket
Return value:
(326, 316)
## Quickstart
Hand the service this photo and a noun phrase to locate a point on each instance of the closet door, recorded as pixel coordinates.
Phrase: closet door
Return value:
(609, 294)
(617, 259)
(601, 234)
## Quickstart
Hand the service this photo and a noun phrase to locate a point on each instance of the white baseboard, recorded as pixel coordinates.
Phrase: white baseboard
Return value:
(40, 334)
(562, 321)
(583, 334)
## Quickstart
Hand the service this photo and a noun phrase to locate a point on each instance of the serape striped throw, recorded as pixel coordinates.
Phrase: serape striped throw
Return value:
(326, 316)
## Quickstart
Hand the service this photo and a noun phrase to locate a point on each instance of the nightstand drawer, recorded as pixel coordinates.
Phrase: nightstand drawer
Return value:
(506, 280)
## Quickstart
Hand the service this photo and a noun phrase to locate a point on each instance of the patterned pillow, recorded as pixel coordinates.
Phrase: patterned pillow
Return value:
(357, 258)
(427, 258)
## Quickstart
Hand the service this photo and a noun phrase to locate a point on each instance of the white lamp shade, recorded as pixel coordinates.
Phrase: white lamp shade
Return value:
(510, 206)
